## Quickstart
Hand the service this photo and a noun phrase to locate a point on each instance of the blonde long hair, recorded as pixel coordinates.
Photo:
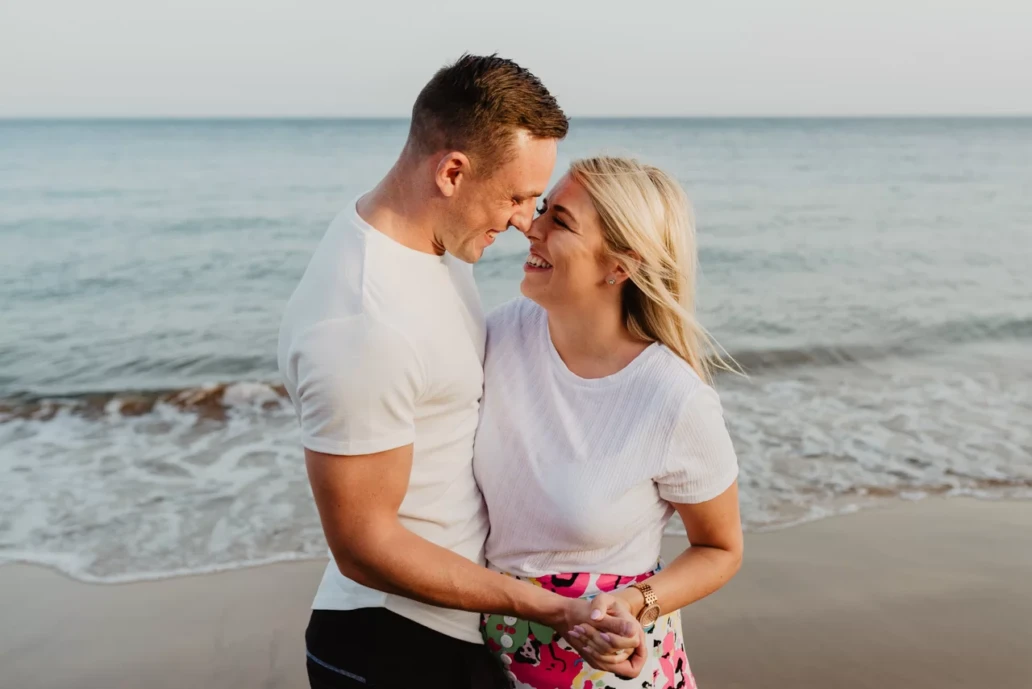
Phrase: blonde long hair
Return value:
(648, 227)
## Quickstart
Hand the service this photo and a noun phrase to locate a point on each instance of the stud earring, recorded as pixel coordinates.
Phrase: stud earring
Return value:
(611, 281)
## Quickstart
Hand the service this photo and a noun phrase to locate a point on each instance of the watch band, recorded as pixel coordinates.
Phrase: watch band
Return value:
(650, 599)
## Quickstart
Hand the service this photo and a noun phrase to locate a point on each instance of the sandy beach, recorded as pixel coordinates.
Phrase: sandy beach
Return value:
(930, 594)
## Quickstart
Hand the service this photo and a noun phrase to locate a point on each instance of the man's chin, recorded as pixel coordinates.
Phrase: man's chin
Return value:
(471, 252)
(468, 254)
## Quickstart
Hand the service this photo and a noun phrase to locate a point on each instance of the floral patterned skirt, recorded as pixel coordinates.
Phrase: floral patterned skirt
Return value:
(535, 657)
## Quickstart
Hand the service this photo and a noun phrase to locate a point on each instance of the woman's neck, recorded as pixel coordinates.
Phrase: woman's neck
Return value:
(593, 343)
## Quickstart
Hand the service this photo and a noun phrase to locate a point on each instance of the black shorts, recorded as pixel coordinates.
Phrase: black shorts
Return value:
(374, 647)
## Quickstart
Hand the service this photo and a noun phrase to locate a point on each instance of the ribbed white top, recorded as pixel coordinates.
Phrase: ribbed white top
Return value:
(579, 474)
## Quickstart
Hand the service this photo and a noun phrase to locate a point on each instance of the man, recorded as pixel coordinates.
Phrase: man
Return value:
(381, 349)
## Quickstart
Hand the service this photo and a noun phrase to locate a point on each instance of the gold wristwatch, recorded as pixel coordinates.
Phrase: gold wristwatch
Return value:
(650, 613)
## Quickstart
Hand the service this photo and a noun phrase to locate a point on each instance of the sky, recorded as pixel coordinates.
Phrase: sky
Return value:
(225, 58)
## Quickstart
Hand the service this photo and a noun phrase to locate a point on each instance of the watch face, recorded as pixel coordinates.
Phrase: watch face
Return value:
(649, 616)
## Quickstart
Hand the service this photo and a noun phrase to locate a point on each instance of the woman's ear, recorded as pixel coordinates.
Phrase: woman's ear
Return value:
(622, 270)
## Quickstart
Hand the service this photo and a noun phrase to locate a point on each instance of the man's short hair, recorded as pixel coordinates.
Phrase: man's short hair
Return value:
(477, 105)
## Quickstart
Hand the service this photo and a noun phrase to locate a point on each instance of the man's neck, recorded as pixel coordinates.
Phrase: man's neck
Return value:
(399, 207)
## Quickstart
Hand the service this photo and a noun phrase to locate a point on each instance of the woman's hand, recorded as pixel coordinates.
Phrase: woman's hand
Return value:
(598, 651)
(605, 634)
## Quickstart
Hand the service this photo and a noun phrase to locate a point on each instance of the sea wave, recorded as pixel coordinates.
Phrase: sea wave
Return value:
(920, 341)
(213, 401)
(209, 398)
(117, 486)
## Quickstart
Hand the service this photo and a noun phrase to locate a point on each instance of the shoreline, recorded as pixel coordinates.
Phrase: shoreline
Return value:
(932, 593)
(876, 503)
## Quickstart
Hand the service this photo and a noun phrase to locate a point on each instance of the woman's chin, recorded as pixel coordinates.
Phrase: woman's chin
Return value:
(530, 290)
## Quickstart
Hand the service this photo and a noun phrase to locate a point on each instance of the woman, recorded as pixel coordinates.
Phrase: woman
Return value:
(598, 423)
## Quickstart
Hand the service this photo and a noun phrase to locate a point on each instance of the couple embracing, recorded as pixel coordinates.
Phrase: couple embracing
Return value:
(494, 489)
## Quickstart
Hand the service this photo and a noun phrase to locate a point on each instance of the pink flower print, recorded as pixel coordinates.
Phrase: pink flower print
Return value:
(612, 582)
(569, 585)
(557, 667)
(668, 662)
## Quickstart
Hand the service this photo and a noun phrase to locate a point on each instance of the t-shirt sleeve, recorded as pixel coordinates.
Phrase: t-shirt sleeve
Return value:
(357, 385)
(701, 462)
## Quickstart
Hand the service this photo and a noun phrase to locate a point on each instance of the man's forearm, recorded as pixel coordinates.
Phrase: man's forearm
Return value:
(400, 562)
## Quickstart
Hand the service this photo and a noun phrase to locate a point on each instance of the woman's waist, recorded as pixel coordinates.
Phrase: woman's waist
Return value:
(583, 584)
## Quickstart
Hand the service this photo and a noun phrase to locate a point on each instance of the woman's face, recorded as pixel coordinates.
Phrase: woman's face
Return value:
(567, 262)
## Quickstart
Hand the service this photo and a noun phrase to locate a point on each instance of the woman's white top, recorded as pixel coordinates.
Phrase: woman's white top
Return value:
(579, 474)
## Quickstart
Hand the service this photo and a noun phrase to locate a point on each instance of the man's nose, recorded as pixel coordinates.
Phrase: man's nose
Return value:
(520, 223)
(534, 231)
(523, 218)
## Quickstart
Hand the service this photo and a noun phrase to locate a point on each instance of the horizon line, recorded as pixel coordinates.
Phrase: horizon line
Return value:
(405, 118)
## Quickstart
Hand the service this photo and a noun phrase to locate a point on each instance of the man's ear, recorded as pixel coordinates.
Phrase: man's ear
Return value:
(453, 168)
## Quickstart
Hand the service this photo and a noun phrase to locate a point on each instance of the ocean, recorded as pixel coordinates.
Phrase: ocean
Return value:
(873, 276)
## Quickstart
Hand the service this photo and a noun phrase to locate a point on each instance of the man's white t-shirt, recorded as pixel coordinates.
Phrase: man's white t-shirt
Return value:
(579, 474)
(382, 346)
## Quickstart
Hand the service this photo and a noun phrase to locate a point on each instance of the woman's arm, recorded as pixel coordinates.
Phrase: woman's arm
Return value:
(714, 530)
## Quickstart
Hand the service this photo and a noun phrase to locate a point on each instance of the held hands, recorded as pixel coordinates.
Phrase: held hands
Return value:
(606, 635)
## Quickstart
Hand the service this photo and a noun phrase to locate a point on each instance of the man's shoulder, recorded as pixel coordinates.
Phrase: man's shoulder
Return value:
(341, 336)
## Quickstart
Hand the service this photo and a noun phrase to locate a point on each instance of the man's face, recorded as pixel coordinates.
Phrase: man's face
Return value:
(494, 200)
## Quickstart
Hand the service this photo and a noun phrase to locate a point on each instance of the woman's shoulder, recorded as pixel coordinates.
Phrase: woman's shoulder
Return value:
(679, 390)
(514, 317)
(694, 404)
(671, 372)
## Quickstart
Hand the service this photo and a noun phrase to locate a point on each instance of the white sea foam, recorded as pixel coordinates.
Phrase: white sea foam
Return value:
(816, 274)
(213, 478)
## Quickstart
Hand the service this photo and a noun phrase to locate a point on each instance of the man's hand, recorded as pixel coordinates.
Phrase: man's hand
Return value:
(626, 663)
(605, 634)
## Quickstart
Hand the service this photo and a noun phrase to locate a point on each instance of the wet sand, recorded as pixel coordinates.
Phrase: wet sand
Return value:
(931, 594)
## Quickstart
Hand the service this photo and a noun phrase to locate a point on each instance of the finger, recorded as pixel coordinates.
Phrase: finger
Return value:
(600, 605)
(592, 659)
(641, 653)
(601, 652)
(620, 624)
(599, 648)
(632, 667)
(634, 664)
(598, 661)
(591, 637)
(622, 668)
(617, 657)
(577, 640)
(617, 642)
(604, 642)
